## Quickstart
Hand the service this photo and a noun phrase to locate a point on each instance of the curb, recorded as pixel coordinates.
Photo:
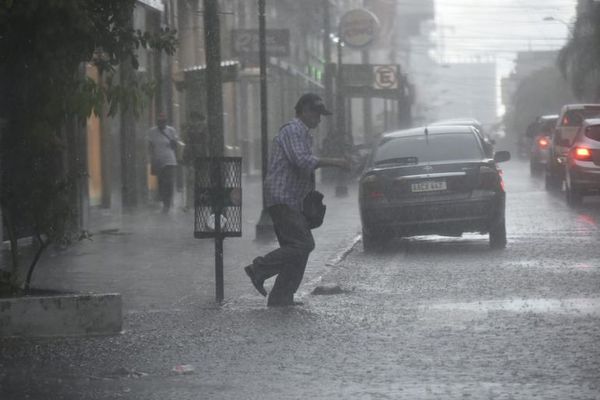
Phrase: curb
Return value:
(344, 253)
(61, 315)
(333, 262)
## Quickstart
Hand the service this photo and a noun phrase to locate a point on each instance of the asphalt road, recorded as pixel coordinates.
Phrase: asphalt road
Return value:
(426, 318)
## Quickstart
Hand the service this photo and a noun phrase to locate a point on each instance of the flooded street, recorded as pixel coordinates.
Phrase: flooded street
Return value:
(426, 318)
(271, 200)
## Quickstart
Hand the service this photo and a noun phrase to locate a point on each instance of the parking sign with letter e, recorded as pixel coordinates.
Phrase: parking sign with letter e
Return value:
(386, 76)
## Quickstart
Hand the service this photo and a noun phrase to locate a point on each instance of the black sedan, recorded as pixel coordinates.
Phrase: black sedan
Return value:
(432, 180)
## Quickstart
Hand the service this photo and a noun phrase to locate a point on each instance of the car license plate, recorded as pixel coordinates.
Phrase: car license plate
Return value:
(428, 186)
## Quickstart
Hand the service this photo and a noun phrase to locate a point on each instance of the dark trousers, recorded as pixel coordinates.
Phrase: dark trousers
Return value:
(288, 262)
(166, 184)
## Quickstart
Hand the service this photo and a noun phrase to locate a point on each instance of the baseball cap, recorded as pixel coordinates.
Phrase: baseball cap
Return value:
(313, 101)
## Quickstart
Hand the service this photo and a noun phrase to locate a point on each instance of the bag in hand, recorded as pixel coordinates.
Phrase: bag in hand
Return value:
(314, 209)
(179, 148)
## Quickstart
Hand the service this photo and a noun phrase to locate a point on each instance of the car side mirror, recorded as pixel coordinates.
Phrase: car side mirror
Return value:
(501, 156)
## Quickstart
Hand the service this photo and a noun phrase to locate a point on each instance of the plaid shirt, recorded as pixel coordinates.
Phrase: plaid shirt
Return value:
(291, 166)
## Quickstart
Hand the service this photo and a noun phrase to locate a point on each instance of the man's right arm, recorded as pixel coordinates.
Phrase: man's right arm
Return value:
(333, 162)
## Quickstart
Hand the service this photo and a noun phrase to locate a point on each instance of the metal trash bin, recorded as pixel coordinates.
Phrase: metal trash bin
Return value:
(218, 197)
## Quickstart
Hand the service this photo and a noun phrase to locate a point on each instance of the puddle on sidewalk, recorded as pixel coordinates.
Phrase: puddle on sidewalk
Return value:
(557, 306)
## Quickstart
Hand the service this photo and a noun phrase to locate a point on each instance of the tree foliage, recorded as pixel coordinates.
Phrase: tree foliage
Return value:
(541, 93)
(44, 93)
(579, 60)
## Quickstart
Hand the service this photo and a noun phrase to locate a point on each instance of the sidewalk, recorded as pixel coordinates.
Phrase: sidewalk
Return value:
(155, 263)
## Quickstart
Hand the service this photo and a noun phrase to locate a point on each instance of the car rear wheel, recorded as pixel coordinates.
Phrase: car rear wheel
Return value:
(534, 167)
(573, 195)
(498, 234)
(551, 182)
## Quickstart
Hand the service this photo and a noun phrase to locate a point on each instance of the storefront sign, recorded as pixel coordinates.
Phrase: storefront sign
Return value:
(372, 80)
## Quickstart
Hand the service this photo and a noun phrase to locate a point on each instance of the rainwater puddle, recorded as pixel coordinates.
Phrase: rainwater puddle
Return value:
(558, 306)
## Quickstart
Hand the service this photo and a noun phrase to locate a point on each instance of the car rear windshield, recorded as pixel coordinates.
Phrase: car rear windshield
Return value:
(547, 125)
(593, 132)
(430, 148)
(576, 117)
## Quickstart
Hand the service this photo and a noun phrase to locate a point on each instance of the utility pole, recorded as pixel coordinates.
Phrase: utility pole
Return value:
(341, 188)
(328, 175)
(328, 73)
(214, 108)
(367, 107)
(264, 227)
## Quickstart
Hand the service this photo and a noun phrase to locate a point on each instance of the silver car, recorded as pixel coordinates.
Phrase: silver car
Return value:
(582, 167)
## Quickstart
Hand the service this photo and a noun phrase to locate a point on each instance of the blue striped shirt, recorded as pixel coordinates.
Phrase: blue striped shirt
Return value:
(291, 166)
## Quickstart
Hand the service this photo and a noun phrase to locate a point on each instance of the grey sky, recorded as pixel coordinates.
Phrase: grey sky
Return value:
(494, 30)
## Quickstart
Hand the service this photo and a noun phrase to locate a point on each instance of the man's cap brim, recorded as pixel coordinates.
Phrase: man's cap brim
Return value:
(322, 110)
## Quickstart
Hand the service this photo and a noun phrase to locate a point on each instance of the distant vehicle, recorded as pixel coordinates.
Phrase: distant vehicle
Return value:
(570, 119)
(432, 180)
(582, 168)
(488, 143)
(539, 135)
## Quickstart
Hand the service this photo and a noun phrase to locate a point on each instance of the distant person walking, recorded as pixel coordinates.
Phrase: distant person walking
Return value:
(290, 177)
(162, 144)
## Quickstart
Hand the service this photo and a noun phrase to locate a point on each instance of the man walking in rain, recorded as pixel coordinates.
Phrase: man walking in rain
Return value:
(163, 162)
(290, 177)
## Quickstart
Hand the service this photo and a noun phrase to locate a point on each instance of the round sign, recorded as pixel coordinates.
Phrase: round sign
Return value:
(358, 28)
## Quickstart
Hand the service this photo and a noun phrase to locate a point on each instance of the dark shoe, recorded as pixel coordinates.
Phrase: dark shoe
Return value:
(258, 284)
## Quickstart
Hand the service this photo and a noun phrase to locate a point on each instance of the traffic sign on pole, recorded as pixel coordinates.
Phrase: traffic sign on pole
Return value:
(358, 28)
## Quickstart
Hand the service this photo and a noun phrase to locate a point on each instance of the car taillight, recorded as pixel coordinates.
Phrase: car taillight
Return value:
(543, 142)
(582, 154)
(490, 179)
(372, 187)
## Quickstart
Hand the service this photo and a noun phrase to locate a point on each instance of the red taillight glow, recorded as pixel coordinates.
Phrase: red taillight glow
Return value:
(372, 188)
(583, 154)
(543, 142)
(490, 178)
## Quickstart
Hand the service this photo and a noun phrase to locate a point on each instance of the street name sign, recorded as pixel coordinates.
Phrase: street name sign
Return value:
(246, 42)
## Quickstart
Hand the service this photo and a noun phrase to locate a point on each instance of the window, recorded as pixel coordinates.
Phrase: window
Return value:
(593, 132)
(576, 117)
(548, 125)
(431, 148)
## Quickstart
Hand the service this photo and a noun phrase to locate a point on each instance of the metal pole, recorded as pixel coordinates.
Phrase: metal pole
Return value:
(327, 51)
(263, 89)
(367, 110)
(328, 175)
(264, 227)
(214, 110)
(341, 188)
(219, 280)
(214, 107)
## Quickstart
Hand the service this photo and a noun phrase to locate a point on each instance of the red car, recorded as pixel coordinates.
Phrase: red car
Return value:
(539, 134)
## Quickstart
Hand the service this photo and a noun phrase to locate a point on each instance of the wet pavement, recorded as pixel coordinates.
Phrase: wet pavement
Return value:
(425, 318)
